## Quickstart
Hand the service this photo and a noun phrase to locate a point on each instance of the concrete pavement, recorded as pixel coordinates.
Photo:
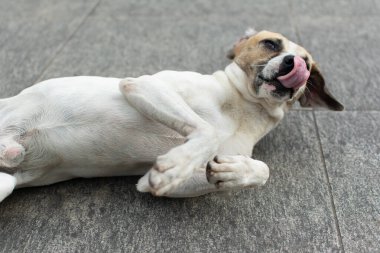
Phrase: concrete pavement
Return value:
(323, 194)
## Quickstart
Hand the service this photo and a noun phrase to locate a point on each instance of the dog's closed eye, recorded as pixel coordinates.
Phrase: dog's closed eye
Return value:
(272, 44)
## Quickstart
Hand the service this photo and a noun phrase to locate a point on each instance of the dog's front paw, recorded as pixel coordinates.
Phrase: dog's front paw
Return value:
(170, 170)
(236, 172)
(163, 182)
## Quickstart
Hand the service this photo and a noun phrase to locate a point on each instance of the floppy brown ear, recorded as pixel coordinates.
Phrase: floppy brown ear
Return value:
(316, 93)
(238, 44)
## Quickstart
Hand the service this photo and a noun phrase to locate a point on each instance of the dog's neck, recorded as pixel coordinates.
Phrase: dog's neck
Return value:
(238, 78)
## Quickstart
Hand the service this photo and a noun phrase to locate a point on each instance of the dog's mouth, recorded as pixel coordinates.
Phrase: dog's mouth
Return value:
(274, 86)
(284, 80)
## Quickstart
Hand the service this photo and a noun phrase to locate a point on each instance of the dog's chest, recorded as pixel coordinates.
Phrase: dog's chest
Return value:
(252, 123)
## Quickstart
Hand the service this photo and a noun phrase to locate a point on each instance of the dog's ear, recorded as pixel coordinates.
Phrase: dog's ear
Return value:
(238, 44)
(316, 93)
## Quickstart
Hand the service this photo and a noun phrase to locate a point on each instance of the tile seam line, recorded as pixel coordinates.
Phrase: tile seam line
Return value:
(327, 177)
(376, 111)
(323, 111)
(60, 49)
(325, 172)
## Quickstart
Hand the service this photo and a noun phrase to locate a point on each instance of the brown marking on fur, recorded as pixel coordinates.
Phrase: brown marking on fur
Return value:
(236, 48)
(227, 107)
(250, 52)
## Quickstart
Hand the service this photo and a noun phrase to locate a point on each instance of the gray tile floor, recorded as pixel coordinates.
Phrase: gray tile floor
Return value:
(323, 194)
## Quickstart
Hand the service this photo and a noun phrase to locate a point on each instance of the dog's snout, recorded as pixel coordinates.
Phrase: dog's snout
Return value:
(289, 60)
(287, 65)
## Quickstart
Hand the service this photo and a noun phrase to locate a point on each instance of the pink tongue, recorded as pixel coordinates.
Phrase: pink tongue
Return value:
(297, 77)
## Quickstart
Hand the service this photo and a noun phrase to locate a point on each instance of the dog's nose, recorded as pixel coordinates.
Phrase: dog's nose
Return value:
(298, 74)
(287, 65)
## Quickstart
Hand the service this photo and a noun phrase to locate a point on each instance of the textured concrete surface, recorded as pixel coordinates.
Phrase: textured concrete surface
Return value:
(323, 194)
(351, 149)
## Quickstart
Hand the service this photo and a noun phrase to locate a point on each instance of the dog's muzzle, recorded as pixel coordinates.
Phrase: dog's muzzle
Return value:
(296, 72)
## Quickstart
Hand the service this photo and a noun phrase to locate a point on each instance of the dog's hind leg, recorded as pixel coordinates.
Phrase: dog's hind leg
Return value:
(7, 184)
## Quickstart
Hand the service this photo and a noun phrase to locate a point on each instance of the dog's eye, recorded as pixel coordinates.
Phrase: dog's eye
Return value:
(271, 45)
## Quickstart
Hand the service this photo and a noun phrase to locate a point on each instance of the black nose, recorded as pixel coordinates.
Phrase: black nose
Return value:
(287, 65)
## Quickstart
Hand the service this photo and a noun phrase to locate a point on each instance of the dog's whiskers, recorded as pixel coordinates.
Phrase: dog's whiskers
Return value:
(306, 88)
(310, 83)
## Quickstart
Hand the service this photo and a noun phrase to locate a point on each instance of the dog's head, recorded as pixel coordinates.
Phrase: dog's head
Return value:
(279, 70)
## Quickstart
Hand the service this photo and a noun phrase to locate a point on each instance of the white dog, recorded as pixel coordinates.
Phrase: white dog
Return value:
(189, 133)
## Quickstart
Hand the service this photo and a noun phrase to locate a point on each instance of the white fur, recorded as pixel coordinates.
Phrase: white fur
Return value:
(7, 184)
(85, 127)
(250, 32)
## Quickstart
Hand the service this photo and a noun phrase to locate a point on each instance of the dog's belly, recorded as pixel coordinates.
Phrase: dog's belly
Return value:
(40, 177)
(126, 156)
(91, 131)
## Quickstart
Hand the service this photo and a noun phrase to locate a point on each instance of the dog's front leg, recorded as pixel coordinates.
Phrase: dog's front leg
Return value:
(153, 99)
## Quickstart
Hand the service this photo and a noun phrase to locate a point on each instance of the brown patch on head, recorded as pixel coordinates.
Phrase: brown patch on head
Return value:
(238, 44)
(253, 51)
(262, 57)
